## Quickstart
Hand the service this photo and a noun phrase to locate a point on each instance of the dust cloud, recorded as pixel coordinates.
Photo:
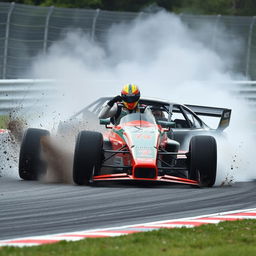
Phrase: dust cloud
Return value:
(166, 59)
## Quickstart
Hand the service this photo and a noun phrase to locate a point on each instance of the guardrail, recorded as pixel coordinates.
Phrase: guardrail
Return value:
(23, 93)
(247, 91)
(26, 93)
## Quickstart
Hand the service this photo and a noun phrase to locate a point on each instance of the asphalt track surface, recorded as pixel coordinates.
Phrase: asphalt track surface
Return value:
(29, 208)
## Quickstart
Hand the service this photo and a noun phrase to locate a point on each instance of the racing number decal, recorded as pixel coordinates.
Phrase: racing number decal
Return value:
(145, 152)
(143, 136)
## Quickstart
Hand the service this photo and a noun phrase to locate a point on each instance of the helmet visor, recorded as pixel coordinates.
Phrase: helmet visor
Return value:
(130, 98)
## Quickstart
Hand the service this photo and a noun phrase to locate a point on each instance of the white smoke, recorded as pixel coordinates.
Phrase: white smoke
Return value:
(166, 59)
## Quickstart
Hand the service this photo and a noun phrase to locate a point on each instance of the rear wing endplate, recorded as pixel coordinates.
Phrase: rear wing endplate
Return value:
(223, 113)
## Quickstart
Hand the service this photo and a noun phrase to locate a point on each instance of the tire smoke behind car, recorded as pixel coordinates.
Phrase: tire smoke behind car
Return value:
(167, 59)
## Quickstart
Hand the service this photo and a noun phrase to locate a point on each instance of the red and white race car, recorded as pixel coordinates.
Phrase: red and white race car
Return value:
(150, 145)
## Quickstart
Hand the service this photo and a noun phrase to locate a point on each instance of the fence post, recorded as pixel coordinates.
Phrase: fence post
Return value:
(46, 29)
(94, 24)
(7, 32)
(140, 14)
(248, 55)
(214, 31)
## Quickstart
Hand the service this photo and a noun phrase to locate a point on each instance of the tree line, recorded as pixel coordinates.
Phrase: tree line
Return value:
(223, 7)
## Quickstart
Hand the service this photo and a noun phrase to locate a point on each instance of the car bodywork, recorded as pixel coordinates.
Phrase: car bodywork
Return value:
(137, 150)
(162, 142)
(147, 147)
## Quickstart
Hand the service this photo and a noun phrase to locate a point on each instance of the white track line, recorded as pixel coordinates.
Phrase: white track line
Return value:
(130, 229)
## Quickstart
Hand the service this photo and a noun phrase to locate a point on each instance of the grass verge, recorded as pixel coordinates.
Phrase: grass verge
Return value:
(3, 121)
(225, 239)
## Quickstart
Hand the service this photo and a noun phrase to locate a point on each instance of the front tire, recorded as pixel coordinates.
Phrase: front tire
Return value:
(203, 160)
(31, 165)
(87, 157)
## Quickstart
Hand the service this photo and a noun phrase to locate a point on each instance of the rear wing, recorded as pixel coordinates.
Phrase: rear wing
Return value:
(223, 113)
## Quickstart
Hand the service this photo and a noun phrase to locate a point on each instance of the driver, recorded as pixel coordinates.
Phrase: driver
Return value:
(159, 114)
(120, 106)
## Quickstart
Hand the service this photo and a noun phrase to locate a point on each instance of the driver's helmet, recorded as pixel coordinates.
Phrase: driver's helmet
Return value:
(130, 96)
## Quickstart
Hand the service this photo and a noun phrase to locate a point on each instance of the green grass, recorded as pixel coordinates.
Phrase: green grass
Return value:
(227, 238)
(3, 121)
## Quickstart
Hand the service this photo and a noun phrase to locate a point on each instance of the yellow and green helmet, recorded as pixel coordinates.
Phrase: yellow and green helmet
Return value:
(130, 95)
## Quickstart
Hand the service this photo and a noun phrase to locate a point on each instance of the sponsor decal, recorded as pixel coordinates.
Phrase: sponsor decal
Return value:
(145, 160)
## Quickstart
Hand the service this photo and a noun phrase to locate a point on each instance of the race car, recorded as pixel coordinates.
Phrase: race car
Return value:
(163, 142)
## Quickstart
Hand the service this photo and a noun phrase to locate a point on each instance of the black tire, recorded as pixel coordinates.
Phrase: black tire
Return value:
(203, 160)
(87, 157)
(31, 166)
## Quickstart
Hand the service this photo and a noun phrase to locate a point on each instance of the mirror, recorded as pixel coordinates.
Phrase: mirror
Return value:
(166, 124)
(105, 121)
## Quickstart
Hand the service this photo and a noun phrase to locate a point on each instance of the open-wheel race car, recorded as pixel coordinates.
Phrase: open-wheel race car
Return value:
(163, 142)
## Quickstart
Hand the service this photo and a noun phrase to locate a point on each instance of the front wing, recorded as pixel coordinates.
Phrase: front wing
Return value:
(164, 178)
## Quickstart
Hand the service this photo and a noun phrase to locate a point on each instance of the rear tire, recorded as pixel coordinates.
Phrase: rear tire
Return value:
(31, 165)
(203, 160)
(87, 157)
